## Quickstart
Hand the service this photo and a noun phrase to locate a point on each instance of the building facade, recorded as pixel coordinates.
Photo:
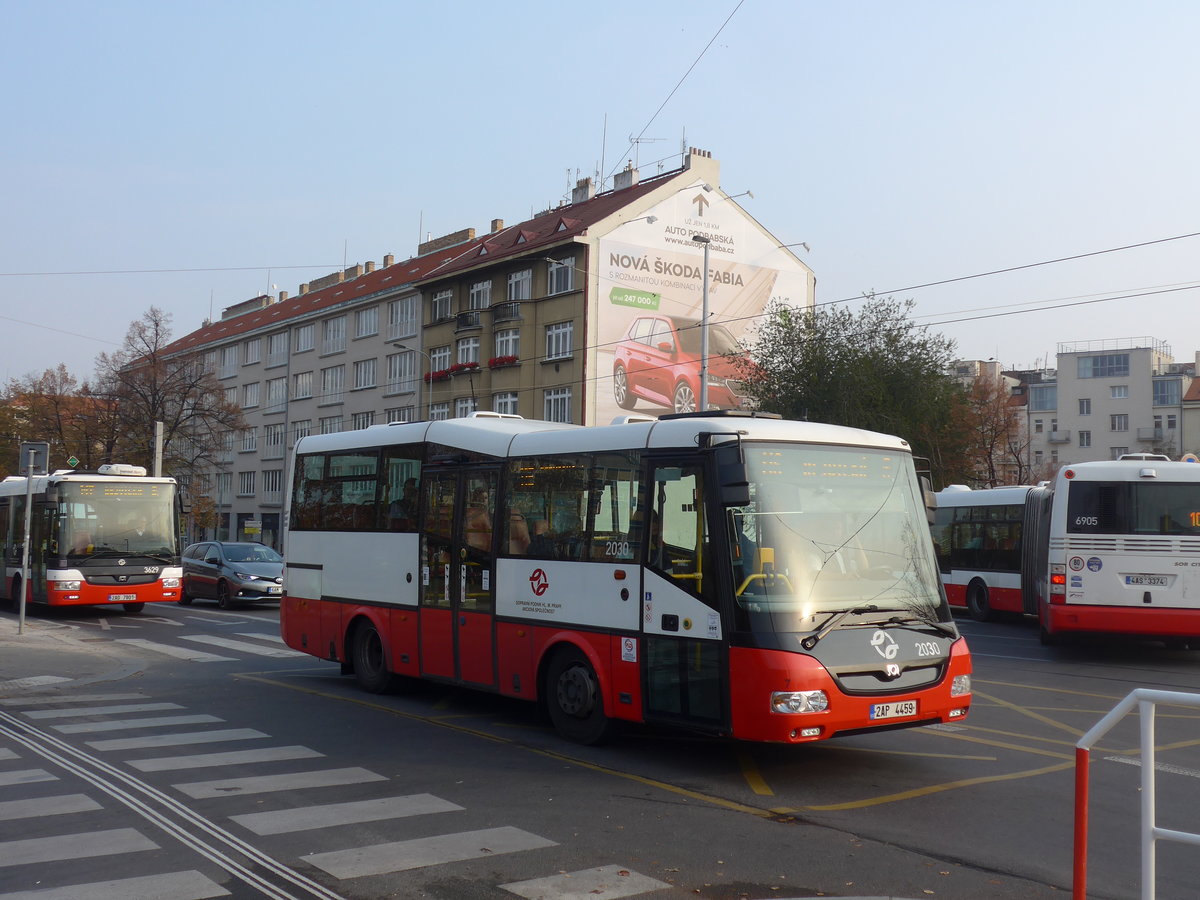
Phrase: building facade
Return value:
(584, 312)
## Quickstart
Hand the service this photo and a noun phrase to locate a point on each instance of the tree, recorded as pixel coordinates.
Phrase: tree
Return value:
(56, 408)
(1000, 442)
(144, 383)
(872, 369)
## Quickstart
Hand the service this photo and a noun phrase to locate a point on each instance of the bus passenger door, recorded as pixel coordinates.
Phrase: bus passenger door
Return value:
(438, 574)
(475, 613)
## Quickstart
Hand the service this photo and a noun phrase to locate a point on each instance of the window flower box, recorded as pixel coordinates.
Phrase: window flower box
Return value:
(463, 368)
(499, 362)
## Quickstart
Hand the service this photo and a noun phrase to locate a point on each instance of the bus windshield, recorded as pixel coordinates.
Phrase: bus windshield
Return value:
(829, 530)
(1126, 507)
(99, 519)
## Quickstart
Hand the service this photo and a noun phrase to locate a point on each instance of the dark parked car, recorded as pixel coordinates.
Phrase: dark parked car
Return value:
(231, 573)
(658, 360)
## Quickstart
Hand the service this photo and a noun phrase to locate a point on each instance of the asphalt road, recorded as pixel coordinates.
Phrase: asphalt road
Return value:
(209, 758)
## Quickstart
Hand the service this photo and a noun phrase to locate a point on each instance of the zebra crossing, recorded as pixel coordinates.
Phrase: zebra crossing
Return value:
(33, 752)
(246, 644)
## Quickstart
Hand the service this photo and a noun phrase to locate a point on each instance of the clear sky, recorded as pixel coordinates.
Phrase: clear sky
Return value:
(239, 145)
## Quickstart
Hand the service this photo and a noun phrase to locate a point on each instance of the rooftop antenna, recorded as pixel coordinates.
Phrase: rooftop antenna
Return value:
(637, 141)
(603, 142)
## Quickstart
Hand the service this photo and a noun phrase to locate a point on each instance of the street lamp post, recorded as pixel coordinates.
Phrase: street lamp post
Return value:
(703, 405)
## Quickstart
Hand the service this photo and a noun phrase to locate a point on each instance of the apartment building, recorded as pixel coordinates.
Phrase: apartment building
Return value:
(1109, 398)
(583, 312)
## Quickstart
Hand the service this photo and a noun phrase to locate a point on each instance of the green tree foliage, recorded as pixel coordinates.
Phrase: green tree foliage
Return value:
(56, 408)
(872, 369)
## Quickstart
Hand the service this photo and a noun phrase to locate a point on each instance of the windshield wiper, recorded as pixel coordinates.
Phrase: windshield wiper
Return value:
(940, 627)
(834, 621)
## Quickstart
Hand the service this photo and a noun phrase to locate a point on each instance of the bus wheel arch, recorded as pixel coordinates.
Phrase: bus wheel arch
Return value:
(978, 603)
(574, 695)
(367, 653)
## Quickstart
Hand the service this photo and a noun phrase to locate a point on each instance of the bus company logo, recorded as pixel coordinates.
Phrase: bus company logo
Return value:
(885, 645)
(1076, 563)
(891, 671)
(120, 562)
(538, 582)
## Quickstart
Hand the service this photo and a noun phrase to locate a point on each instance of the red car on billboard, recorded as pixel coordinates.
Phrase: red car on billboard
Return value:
(658, 360)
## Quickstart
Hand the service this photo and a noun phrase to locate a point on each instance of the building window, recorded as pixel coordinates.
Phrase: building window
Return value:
(362, 420)
(1085, 439)
(249, 440)
(561, 276)
(333, 383)
(364, 374)
(272, 484)
(402, 372)
(1118, 422)
(1172, 421)
(210, 362)
(1043, 397)
(463, 407)
(557, 405)
(520, 285)
(1038, 457)
(304, 337)
(228, 362)
(481, 295)
(468, 350)
(1037, 426)
(1119, 392)
(224, 486)
(302, 385)
(505, 403)
(1117, 452)
(276, 394)
(440, 306)
(274, 438)
(1111, 365)
(508, 342)
(439, 358)
(559, 339)
(249, 395)
(402, 318)
(1167, 392)
(331, 424)
(333, 335)
(439, 412)
(1085, 407)
(302, 428)
(366, 322)
(277, 348)
(252, 351)
(400, 414)
(246, 484)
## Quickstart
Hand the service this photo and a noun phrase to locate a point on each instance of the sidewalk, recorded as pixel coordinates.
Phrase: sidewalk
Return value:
(51, 654)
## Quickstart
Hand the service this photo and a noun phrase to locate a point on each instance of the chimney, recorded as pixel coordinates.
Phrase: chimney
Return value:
(584, 190)
(282, 296)
(497, 225)
(303, 290)
(449, 240)
(626, 178)
(370, 267)
(388, 260)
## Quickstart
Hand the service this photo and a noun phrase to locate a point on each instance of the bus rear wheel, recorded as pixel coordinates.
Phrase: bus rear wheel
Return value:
(977, 602)
(574, 700)
(370, 661)
(134, 609)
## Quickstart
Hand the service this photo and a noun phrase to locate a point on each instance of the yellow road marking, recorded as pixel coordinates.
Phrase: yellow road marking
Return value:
(751, 774)
(1037, 717)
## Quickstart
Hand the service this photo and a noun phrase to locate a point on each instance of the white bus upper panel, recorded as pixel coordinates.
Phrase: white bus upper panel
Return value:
(957, 495)
(1128, 470)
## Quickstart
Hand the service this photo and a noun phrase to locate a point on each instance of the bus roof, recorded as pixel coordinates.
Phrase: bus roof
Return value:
(507, 436)
(1128, 470)
(961, 495)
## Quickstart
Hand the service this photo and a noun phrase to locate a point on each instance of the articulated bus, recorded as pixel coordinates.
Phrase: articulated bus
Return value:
(1115, 547)
(977, 536)
(727, 573)
(104, 537)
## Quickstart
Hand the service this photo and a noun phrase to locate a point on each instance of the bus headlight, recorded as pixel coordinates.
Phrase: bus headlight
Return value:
(799, 701)
(960, 685)
(171, 582)
(65, 585)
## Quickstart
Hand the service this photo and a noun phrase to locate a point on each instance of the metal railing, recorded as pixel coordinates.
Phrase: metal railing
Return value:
(1145, 700)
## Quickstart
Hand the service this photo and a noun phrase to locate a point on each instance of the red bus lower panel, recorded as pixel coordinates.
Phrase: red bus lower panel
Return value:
(1139, 620)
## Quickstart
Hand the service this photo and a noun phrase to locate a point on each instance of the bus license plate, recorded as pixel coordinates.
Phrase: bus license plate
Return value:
(894, 710)
(122, 598)
(1149, 580)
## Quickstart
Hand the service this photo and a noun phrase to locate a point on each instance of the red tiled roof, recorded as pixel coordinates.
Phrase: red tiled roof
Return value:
(549, 228)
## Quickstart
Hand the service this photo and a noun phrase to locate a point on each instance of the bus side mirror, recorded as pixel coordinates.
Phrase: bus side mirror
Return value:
(185, 503)
(930, 499)
(734, 482)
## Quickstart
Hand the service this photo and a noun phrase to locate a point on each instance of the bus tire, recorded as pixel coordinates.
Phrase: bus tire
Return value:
(134, 609)
(369, 658)
(977, 602)
(574, 699)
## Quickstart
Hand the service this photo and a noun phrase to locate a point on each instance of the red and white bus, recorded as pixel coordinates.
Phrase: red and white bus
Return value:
(104, 537)
(977, 536)
(730, 573)
(1114, 546)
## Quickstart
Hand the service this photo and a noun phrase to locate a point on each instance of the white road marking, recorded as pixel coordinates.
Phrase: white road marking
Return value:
(230, 758)
(177, 652)
(178, 739)
(74, 698)
(190, 885)
(602, 883)
(263, 636)
(32, 681)
(126, 724)
(231, 644)
(236, 787)
(73, 846)
(400, 856)
(1158, 767)
(25, 776)
(98, 710)
(306, 818)
(46, 806)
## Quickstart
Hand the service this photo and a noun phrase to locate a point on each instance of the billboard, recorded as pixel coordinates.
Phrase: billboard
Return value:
(647, 332)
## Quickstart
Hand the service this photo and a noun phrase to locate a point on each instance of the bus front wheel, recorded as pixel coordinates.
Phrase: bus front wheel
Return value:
(370, 660)
(977, 602)
(574, 700)
(134, 608)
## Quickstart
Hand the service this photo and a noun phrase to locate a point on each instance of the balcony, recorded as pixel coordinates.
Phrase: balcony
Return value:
(1059, 437)
(1149, 434)
(467, 321)
(506, 312)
